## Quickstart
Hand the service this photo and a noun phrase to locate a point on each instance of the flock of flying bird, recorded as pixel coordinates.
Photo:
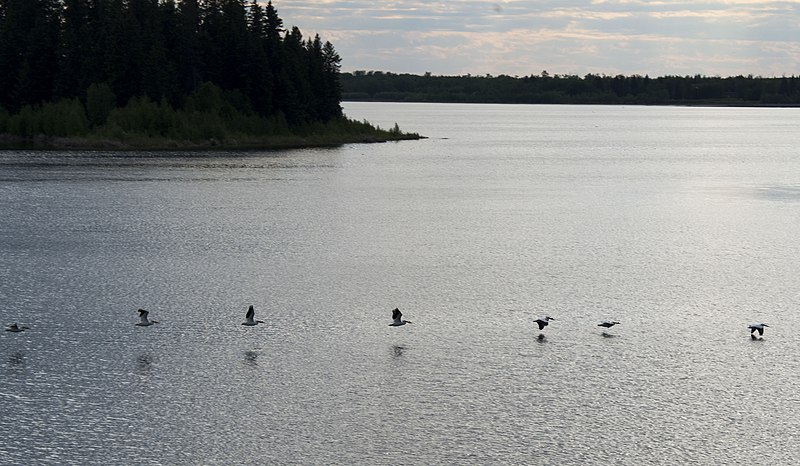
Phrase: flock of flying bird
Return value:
(397, 320)
(543, 321)
(250, 318)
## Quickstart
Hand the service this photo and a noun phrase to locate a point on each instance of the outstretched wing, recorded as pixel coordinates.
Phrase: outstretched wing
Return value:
(250, 313)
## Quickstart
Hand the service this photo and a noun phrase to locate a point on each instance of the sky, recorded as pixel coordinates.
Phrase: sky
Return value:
(574, 37)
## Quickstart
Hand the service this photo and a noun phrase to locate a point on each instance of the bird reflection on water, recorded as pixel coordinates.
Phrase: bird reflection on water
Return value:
(251, 358)
(398, 350)
(16, 359)
(144, 363)
(541, 338)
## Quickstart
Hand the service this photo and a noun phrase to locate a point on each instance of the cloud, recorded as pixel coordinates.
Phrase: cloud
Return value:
(519, 37)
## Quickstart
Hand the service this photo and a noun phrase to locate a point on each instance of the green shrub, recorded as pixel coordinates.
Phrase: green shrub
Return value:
(24, 124)
(4, 117)
(63, 118)
(143, 117)
(207, 99)
(100, 101)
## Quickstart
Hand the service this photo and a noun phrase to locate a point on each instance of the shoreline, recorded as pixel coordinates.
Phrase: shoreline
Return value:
(56, 143)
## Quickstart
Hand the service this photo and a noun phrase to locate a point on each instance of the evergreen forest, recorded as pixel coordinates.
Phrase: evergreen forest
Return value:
(165, 72)
(570, 89)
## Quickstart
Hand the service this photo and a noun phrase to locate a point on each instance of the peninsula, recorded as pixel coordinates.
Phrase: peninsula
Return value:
(107, 74)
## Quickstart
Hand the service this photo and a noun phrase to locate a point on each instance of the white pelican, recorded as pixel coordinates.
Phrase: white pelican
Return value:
(757, 327)
(143, 321)
(607, 323)
(16, 328)
(251, 313)
(543, 321)
(397, 319)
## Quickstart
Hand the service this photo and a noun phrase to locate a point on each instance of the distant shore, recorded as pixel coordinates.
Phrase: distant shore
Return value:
(591, 89)
(690, 103)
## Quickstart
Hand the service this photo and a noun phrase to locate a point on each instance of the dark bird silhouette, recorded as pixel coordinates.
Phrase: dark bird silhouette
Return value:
(607, 323)
(757, 327)
(543, 321)
(397, 319)
(250, 316)
(143, 320)
(16, 328)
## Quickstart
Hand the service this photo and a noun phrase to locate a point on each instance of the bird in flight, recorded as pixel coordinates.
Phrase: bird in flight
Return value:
(757, 327)
(16, 328)
(607, 323)
(543, 321)
(250, 316)
(143, 320)
(397, 319)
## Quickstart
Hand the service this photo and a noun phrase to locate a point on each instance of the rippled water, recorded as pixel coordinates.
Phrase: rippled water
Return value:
(681, 223)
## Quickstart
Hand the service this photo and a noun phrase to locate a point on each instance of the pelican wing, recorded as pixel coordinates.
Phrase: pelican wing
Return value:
(758, 327)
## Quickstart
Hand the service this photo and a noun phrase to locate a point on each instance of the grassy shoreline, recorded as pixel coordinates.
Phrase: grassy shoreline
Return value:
(209, 119)
(45, 143)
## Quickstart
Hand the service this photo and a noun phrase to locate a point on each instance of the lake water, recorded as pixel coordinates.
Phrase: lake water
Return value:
(681, 223)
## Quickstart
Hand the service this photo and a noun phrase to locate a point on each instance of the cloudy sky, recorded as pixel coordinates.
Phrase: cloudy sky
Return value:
(523, 37)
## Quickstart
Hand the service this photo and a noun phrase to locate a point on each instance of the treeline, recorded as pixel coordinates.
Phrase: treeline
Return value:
(569, 89)
(164, 50)
(163, 68)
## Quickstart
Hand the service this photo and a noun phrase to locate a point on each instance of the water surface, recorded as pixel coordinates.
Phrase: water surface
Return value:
(679, 222)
